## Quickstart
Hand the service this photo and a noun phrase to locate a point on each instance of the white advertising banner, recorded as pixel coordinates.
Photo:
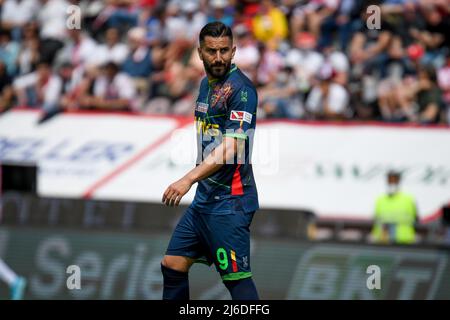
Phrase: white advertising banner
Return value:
(336, 171)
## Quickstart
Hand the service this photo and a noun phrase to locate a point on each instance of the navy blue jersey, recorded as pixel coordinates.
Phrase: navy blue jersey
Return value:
(227, 107)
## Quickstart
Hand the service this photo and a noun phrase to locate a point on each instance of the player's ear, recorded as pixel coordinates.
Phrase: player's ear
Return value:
(199, 51)
(233, 51)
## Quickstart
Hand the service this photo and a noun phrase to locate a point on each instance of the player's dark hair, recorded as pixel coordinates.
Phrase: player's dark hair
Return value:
(215, 29)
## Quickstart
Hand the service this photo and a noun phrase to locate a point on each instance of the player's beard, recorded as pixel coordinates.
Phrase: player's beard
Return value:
(217, 72)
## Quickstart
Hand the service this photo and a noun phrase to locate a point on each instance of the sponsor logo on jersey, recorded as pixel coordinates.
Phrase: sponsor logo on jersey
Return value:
(241, 116)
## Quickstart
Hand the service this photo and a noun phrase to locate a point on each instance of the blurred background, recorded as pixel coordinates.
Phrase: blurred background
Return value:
(351, 153)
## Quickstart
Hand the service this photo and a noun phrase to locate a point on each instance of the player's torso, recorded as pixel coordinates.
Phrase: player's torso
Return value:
(212, 110)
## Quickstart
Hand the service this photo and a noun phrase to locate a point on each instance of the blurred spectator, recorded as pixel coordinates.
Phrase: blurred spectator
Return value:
(6, 91)
(221, 11)
(66, 86)
(138, 64)
(52, 17)
(305, 60)
(112, 50)
(327, 100)
(30, 52)
(174, 84)
(270, 24)
(15, 14)
(421, 99)
(443, 76)
(154, 23)
(435, 37)
(270, 64)
(9, 51)
(339, 62)
(175, 24)
(79, 49)
(395, 214)
(370, 49)
(119, 14)
(112, 90)
(194, 20)
(280, 98)
(335, 17)
(310, 15)
(415, 99)
(247, 54)
(39, 89)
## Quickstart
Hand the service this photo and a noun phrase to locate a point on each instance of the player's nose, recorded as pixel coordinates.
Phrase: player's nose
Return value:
(219, 58)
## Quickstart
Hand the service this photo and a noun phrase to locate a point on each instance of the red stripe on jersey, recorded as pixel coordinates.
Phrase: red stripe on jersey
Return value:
(233, 261)
(234, 265)
(236, 185)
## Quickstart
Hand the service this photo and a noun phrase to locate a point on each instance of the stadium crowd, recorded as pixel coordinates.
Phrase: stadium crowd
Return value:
(317, 59)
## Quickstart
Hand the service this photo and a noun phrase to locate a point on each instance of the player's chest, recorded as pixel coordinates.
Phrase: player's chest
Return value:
(211, 106)
(213, 98)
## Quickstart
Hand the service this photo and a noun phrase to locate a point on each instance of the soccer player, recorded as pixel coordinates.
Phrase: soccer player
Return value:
(215, 227)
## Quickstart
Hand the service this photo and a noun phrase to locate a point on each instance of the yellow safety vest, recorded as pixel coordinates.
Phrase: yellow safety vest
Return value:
(397, 213)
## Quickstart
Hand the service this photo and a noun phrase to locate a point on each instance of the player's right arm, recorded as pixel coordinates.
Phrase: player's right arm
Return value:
(222, 154)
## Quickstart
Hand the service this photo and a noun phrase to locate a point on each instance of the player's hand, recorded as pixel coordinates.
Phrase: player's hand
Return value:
(173, 194)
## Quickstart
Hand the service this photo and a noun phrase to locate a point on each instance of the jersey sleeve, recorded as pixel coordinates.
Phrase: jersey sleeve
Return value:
(241, 113)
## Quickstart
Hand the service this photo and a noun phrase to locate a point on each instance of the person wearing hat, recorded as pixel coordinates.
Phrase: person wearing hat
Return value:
(395, 214)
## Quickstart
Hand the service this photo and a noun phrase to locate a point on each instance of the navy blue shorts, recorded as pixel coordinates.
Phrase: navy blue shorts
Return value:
(222, 239)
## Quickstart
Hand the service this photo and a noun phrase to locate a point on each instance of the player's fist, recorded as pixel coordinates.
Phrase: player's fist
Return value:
(173, 194)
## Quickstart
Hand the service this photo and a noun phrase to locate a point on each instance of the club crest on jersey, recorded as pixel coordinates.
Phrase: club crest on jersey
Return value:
(201, 107)
(241, 116)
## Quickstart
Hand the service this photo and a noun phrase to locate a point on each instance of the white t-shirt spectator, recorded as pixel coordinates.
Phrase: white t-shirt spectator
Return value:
(52, 88)
(339, 61)
(305, 63)
(271, 63)
(337, 99)
(117, 54)
(443, 78)
(79, 54)
(18, 12)
(121, 87)
(247, 56)
(52, 18)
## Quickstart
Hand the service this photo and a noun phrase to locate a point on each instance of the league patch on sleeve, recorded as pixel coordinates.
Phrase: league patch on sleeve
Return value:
(241, 116)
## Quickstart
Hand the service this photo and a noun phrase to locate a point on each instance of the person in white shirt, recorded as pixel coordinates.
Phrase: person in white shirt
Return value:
(112, 50)
(16, 13)
(113, 90)
(247, 54)
(52, 18)
(305, 59)
(39, 89)
(327, 100)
